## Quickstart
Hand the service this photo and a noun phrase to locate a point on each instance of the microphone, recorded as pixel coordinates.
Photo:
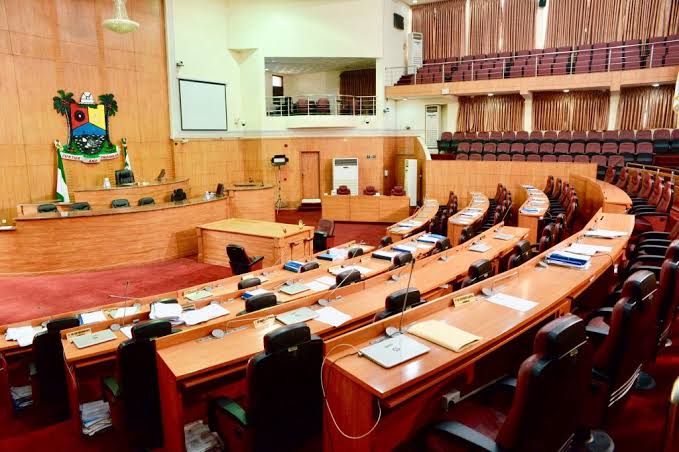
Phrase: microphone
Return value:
(391, 331)
(116, 326)
(490, 291)
(326, 301)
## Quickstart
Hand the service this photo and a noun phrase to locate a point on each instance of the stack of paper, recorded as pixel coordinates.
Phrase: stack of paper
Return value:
(588, 250)
(199, 438)
(387, 255)
(605, 233)
(165, 311)
(479, 247)
(95, 416)
(406, 248)
(22, 334)
(22, 397)
(509, 301)
(87, 318)
(209, 312)
(443, 334)
(332, 316)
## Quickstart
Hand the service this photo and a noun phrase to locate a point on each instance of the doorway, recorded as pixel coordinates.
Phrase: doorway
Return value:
(310, 175)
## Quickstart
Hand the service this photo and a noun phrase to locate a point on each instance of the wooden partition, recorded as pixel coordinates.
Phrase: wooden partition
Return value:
(100, 198)
(463, 177)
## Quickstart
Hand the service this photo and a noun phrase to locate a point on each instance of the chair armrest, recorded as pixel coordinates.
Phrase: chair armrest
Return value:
(472, 438)
(651, 214)
(654, 235)
(647, 248)
(597, 332)
(111, 385)
(605, 312)
(507, 383)
(256, 260)
(229, 407)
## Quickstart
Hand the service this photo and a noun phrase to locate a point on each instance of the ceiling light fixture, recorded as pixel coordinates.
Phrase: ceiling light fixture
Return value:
(655, 85)
(490, 94)
(414, 2)
(566, 91)
(120, 23)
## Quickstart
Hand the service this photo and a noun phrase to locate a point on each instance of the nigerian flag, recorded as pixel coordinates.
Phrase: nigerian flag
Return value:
(128, 165)
(62, 188)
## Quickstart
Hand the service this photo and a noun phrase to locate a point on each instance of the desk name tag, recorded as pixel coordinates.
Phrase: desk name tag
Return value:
(264, 321)
(73, 334)
(464, 299)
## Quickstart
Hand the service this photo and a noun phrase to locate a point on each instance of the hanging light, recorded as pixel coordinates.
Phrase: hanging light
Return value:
(120, 23)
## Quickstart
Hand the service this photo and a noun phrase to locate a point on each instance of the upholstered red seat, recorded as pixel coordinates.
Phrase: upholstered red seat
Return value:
(343, 190)
(397, 191)
(369, 190)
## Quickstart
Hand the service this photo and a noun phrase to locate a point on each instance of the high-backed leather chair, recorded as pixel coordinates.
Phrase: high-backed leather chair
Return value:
(624, 341)
(346, 278)
(240, 262)
(611, 172)
(549, 186)
(546, 410)
(283, 408)
(124, 177)
(386, 241)
(118, 203)
(466, 234)
(343, 190)
(671, 441)
(634, 184)
(80, 206)
(354, 251)
(136, 385)
(398, 301)
(623, 178)
(478, 271)
(146, 201)
(178, 195)
(47, 208)
(402, 259)
(398, 191)
(50, 373)
(520, 254)
(369, 190)
(654, 219)
(442, 245)
(325, 229)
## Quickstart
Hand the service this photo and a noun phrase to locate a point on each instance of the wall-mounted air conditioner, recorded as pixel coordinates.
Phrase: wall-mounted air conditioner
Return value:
(432, 125)
(415, 51)
(345, 172)
(410, 180)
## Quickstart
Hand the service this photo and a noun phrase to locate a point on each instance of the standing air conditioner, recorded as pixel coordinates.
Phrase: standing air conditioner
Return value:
(432, 125)
(415, 49)
(345, 172)
(410, 180)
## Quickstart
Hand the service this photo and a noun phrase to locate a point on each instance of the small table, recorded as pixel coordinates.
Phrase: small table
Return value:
(277, 242)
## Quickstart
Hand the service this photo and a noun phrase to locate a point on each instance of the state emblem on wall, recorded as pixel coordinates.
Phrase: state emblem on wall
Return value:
(88, 139)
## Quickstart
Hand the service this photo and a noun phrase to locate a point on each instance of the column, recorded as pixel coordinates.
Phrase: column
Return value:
(613, 110)
(527, 111)
(452, 111)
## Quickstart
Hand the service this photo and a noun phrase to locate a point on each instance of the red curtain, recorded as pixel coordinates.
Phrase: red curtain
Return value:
(360, 82)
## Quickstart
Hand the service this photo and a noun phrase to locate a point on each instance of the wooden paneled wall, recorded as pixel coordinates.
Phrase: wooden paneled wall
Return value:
(48, 45)
(209, 162)
(462, 177)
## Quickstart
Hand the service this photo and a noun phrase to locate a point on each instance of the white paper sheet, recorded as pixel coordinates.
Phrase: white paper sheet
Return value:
(127, 331)
(209, 312)
(479, 247)
(315, 286)
(588, 250)
(332, 316)
(509, 301)
(124, 312)
(605, 233)
(165, 311)
(326, 280)
(93, 317)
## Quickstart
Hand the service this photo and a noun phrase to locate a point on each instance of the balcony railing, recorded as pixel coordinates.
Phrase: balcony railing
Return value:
(321, 104)
(539, 62)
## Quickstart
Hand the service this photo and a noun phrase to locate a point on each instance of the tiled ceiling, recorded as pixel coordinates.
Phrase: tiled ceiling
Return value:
(307, 65)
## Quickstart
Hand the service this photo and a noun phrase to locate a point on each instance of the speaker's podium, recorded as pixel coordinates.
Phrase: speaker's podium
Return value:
(277, 242)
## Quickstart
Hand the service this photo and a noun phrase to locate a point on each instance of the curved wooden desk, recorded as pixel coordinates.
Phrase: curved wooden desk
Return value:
(414, 223)
(100, 198)
(594, 194)
(365, 208)
(409, 392)
(252, 201)
(532, 211)
(474, 213)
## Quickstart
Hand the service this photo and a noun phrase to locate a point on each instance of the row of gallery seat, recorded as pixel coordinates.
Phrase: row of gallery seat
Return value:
(588, 58)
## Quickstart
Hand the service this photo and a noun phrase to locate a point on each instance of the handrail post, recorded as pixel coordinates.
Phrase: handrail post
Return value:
(472, 69)
(650, 61)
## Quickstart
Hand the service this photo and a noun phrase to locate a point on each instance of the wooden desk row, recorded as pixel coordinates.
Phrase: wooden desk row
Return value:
(533, 210)
(416, 222)
(410, 393)
(364, 208)
(473, 214)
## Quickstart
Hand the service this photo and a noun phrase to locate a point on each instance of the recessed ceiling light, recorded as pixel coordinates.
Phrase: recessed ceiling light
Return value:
(566, 91)
(404, 98)
(655, 85)
(414, 2)
(490, 94)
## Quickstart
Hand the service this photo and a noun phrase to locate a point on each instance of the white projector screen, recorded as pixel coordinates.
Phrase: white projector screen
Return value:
(202, 105)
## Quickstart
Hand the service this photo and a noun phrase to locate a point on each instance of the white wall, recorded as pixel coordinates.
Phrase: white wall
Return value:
(312, 83)
(395, 41)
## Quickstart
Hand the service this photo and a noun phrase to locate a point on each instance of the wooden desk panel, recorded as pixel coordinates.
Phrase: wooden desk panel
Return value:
(458, 222)
(364, 208)
(423, 217)
(100, 198)
(595, 194)
(407, 391)
(277, 242)
(531, 220)
(256, 203)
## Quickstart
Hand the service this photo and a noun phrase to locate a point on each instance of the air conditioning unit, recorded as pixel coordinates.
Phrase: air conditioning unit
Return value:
(345, 172)
(415, 51)
(410, 180)
(432, 125)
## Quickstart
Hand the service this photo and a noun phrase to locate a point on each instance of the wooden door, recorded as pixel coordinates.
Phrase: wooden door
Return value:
(310, 175)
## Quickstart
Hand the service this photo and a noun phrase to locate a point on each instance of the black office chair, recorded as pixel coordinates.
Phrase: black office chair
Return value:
(124, 177)
(249, 282)
(402, 259)
(385, 241)
(178, 195)
(146, 201)
(79, 206)
(257, 302)
(478, 271)
(394, 303)
(325, 229)
(346, 278)
(47, 208)
(283, 408)
(117, 203)
(136, 385)
(239, 261)
(354, 251)
(219, 191)
(50, 372)
(441, 245)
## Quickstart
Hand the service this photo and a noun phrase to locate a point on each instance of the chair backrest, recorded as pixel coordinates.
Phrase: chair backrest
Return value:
(117, 203)
(549, 186)
(354, 251)
(124, 176)
(631, 337)
(397, 191)
(667, 198)
(551, 389)
(178, 195)
(146, 201)
(398, 301)
(327, 226)
(260, 301)
(478, 271)
(386, 241)
(623, 178)
(369, 190)
(646, 185)
(284, 399)
(610, 174)
(466, 234)
(634, 184)
(346, 278)
(138, 378)
(520, 253)
(656, 191)
(238, 259)
(48, 356)
(248, 282)
(343, 190)
(545, 241)
(79, 206)
(46, 208)
(219, 191)
(402, 259)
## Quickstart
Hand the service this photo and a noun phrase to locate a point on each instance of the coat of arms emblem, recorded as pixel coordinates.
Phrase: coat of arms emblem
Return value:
(88, 139)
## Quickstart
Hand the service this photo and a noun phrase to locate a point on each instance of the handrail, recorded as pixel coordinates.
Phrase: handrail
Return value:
(321, 104)
(614, 56)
